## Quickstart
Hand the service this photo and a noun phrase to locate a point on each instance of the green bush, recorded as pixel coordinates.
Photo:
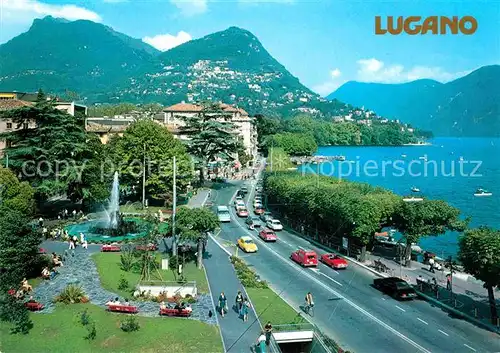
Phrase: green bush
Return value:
(127, 261)
(248, 277)
(92, 332)
(130, 324)
(84, 318)
(123, 283)
(72, 294)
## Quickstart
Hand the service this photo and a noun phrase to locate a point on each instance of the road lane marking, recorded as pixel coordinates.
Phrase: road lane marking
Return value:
(419, 319)
(400, 308)
(314, 269)
(331, 290)
(472, 349)
(444, 333)
(330, 278)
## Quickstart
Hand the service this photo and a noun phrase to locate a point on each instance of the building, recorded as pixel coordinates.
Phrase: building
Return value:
(172, 119)
(14, 100)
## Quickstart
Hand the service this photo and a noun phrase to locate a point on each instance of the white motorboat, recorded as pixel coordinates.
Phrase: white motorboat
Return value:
(415, 189)
(403, 156)
(413, 199)
(481, 192)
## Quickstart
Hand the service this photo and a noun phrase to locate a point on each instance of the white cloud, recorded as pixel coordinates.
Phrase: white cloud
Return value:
(331, 85)
(190, 7)
(165, 42)
(115, 1)
(22, 11)
(335, 73)
(373, 70)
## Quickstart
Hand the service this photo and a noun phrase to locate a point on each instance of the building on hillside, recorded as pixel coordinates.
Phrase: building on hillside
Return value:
(14, 100)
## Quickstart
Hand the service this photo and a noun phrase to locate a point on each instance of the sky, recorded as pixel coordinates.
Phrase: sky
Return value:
(325, 43)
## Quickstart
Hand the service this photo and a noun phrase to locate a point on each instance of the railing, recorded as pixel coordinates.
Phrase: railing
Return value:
(294, 327)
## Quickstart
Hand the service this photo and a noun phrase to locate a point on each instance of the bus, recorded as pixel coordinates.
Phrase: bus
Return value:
(223, 214)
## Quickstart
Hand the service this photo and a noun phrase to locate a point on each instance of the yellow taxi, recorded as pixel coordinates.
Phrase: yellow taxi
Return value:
(247, 245)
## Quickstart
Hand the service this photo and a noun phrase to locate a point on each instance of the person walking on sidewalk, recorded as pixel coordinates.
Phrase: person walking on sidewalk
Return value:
(244, 309)
(448, 281)
(239, 302)
(268, 328)
(260, 347)
(222, 303)
(431, 265)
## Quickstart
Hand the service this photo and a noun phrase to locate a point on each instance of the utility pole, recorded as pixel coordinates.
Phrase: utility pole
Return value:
(174, 205)
(451, 276)
(144, 178)
(6, 160)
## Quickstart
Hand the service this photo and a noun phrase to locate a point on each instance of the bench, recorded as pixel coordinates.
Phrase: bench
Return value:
(176, 312)
(34, 306)
(123, 309)
(110, 248)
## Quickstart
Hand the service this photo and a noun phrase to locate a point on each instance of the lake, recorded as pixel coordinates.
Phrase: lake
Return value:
(452, 171)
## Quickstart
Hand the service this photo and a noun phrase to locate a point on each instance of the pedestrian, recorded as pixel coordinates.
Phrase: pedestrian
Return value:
(239, 302)
(74, 213)
(431, 265)
(71, 244)
(260, 347)
(268, 328)
(222, 303)
(40, 222)
(84, 244)
(448, 281)
(245, 308)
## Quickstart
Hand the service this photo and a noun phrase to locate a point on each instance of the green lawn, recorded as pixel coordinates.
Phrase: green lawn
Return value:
(108, 266)
(272, 307)
(61, 332)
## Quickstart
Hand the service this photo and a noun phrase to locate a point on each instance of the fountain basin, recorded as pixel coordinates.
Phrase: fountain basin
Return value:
(95, 231)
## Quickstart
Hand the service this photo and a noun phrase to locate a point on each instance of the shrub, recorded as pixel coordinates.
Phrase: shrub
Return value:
(72, 294)
(14, 311)
(127, 260)
(92, 332)
(189, 299)
(130, 324)
(123, 284)
(84, 318)
(247, 276)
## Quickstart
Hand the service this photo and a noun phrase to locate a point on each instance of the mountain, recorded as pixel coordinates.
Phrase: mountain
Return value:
(105, 66)
(468, 106)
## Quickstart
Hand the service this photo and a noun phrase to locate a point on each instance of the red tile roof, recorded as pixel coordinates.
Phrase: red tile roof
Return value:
(8, 104)
(188, 107)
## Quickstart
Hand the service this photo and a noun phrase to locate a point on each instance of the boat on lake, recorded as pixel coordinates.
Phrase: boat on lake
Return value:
(403, 156)
(482, 192)
(413, 199)
(415, 189)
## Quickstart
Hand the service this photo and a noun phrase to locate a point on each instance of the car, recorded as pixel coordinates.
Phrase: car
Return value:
(259, 210)
(240, 193)
(334, 261)
(266, 216)
(257, 203)
(268, 235)
(239, 203)
(253, 221)
(242, 212)
(244, 189)
(274, 224)
(223, 214)
(305, 258)
(395, 287)
(239, 197)
(247, 245)
(257, 199)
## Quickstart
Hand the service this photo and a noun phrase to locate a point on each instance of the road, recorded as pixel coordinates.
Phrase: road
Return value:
(347, 307)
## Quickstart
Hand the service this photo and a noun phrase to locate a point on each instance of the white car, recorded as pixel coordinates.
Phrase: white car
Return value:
(274, 224)
(257, 204)
(239, 203)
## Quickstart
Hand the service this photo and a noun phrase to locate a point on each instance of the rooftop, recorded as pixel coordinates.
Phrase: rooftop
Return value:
(194, 108)
(7, 104)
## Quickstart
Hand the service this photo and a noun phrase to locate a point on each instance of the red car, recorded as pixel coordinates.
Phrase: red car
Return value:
(267, 234)
(259, 210)
(242, 212)
(305, 258)
(334, 261)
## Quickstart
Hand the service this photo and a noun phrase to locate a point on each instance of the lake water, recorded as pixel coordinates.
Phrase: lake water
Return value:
(442, 176)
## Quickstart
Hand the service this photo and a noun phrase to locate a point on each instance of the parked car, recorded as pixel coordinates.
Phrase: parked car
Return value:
(257, 203)
(268, 235)
(259, 210)
(253, 221)
(274, 224)
(239, 197)
(247, 245)
(334, 261)
(244, 189)
(257, 198)
(242, 212)
(395, 287)
(240, 193)
(266, 216)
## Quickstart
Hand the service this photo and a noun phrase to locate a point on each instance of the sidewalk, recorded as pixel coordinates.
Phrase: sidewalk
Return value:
(467, 296)
(237, 336)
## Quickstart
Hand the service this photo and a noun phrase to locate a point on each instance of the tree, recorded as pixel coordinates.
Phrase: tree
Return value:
(296, 144)
(211, 135)
(479, 253)
(193, 224)
(428, 217)
(148, 141)
(46, 147)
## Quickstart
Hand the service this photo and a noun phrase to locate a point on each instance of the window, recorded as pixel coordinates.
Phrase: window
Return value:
(9, 125)
(25, 125)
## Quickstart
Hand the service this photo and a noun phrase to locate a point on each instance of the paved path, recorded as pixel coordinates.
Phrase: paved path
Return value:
(238, 336)
(80, 269)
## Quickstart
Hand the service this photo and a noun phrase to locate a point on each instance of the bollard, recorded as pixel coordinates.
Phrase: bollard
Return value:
(455, 302)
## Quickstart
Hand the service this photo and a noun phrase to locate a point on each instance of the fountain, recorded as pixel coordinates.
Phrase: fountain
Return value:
(112, 227)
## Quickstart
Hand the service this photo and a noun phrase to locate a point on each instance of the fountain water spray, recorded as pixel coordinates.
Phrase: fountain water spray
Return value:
(113, 206)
